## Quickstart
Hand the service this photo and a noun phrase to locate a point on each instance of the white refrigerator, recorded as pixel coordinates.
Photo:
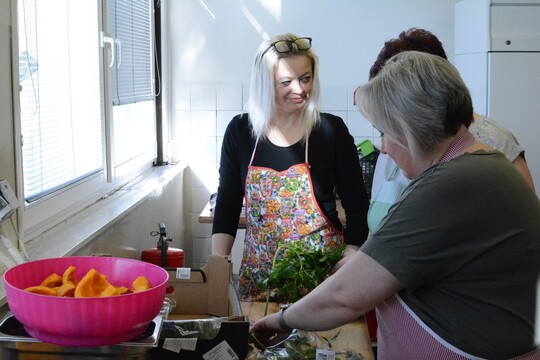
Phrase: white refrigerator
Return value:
(497, 51)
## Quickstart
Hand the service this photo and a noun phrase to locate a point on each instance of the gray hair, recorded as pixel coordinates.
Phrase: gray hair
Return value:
(418, 100)
(261, 102)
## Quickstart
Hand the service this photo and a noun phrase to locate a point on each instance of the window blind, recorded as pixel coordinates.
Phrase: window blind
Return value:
(60, 97)
(130, 24)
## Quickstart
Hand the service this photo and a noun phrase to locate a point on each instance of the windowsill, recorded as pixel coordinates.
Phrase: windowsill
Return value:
(71, 235)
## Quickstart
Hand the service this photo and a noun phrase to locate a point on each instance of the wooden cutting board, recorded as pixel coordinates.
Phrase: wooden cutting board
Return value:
(353, 336)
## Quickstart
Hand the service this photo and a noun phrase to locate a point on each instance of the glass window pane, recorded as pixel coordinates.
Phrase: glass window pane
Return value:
(130, 24)
(60, 97)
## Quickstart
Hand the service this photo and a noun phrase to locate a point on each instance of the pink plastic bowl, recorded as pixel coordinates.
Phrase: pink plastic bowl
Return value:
(85, 321)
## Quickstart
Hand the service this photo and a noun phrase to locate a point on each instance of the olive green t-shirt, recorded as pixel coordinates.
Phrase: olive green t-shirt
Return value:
(463, 241)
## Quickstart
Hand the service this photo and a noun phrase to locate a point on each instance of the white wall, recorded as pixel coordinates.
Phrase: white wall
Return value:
(131, 235)
(347, 34)
(211, 47)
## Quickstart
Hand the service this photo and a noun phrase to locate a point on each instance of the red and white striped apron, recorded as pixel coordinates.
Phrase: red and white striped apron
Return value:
(401, 334)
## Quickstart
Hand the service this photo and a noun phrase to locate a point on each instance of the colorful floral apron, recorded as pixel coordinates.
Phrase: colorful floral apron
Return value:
(280, 207)
(401, 334)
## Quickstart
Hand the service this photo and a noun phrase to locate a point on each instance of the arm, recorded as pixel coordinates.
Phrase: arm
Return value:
(230, 190)
(521, 165)
(350, 187)
(336, 301)
(348, 253)
(222, 244)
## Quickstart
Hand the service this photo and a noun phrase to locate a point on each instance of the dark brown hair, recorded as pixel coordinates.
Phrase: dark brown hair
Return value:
(412, 39)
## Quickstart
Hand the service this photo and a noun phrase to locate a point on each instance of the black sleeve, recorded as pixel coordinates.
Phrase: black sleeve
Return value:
(235, 153)
(350, 184)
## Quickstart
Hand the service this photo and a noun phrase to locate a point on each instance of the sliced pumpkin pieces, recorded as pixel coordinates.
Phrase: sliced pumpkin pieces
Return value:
(93, 284)
(52, 281)
(110, 290)
(69, 276)
(123, 290)
(66, 289)
(141, 283)
(42, 290)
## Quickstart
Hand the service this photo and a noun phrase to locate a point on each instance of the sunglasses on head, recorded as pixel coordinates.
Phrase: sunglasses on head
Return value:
(285, 46)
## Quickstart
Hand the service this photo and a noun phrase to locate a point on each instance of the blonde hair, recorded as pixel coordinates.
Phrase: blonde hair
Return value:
(417, 100)
(261, 102)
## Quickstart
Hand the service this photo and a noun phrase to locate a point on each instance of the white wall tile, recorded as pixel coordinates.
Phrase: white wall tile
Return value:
(223, 119)
(334, 97)
(181, 122)
(219, 143)
(180, 134)
(359, 126)
(229, 97)
(200, 230)
(245, 96)
(203, 97)
(202, 248)
(181, 94)
(199, 196)
(203, 123)
(202, 151)
(195, 180)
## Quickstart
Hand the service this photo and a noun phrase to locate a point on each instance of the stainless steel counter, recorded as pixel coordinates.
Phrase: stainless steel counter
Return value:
(16, 344)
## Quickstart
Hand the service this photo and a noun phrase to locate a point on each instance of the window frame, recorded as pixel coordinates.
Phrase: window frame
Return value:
(43, 214)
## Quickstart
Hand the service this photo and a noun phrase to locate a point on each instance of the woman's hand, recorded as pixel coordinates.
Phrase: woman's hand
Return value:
(267, 332)
(348, 253)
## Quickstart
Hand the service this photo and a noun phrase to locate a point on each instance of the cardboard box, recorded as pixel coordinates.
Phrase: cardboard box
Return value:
(204, 296)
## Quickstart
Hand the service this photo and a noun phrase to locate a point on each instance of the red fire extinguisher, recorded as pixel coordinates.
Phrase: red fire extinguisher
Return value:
(163, 255)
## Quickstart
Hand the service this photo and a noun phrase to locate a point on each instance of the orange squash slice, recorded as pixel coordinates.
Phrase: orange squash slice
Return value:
(123, 290)
(69, 276)
(141, 284)
(66, 289)
(109, 291)
(92, 284)
(52, 281)
(42, 290)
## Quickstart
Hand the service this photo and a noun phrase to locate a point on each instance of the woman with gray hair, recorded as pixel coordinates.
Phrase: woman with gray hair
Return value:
(286, 158)
(453, 268)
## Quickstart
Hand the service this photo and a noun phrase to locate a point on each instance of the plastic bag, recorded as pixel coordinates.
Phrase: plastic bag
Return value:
(303, 345)
(202, 329)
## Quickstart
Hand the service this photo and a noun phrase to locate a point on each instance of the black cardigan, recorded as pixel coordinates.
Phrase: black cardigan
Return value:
(334, 164)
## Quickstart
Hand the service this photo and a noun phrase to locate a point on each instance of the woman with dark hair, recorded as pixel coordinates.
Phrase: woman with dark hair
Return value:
(388, 180)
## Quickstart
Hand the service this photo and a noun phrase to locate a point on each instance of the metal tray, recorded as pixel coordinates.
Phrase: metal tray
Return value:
(12, 330)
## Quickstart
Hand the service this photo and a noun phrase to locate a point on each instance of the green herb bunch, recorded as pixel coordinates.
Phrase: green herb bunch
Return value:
(297, 269)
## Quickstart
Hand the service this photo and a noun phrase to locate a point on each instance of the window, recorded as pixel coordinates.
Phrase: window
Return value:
(60, 96)
(87, 112)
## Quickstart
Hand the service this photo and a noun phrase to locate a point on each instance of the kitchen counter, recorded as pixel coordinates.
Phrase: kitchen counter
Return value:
(353, 336)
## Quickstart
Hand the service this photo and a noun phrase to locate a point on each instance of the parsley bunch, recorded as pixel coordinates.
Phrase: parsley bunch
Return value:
(297, 269)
